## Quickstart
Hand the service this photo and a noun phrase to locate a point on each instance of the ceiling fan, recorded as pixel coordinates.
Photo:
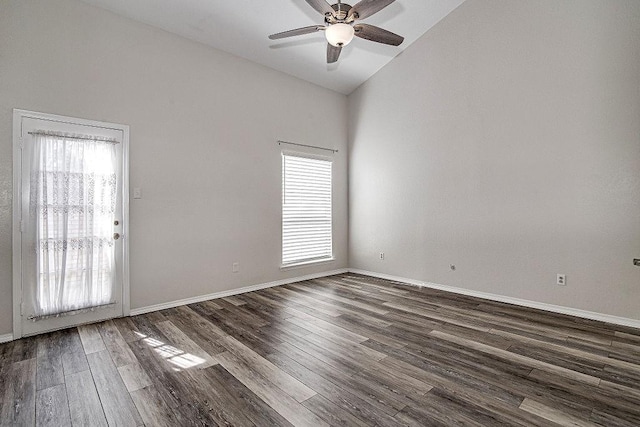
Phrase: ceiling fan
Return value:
(340, 25)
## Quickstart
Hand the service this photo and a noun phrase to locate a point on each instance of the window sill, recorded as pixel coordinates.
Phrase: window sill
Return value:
(306, 264)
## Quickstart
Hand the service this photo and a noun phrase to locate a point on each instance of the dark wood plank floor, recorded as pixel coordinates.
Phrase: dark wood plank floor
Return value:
(342, 350)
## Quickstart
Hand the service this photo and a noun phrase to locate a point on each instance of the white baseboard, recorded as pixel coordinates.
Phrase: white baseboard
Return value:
(215, 295)
(634, 323)
(484, 295)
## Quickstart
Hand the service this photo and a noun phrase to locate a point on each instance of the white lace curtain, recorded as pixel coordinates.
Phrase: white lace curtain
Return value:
(72, 206)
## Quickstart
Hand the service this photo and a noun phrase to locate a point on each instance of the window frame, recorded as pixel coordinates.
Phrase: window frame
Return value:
(304, 262)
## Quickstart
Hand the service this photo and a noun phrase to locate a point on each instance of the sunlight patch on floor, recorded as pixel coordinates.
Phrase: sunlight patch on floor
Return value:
(181, 359)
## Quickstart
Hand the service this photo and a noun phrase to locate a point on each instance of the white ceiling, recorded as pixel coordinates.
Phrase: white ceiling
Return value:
(241, 27)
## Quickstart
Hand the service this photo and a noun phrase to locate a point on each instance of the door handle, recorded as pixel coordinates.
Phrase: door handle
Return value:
(116, 236)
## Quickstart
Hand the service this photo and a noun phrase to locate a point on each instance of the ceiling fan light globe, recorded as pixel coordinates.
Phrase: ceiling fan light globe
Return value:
(339, 35)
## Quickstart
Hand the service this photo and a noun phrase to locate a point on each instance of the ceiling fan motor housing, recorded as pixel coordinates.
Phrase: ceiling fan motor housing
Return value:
(340, 15)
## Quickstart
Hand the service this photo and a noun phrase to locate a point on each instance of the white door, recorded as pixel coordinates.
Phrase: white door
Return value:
(72, 222)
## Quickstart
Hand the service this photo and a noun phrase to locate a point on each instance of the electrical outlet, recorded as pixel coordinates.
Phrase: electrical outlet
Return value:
(381, 255)
(561, 280)
(235, 267)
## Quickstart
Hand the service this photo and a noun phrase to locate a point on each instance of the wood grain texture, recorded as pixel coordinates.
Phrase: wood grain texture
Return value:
(340, 350)
(134, 376)
(187, 352)
(245, 401)
(91, 338)
(52, 408)
(552, 414)
(286, 406)
(73, 356)
(84, 404)
(152, 407)
(18, 397)
(22, 349)
(116, 401)
(115, 344)
(49, 361)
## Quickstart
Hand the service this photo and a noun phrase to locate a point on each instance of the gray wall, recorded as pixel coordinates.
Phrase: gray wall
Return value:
(204, 126)
(506, 141)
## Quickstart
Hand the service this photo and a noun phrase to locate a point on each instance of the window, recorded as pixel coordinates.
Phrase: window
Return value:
(306, 209)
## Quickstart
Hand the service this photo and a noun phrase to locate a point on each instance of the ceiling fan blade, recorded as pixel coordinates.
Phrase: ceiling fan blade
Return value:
(321, 6)
(366, 8)
(297, 32)
(376, 34)
(333, 53)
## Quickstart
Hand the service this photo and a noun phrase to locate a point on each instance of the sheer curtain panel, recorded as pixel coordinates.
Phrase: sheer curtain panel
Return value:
(72, 203)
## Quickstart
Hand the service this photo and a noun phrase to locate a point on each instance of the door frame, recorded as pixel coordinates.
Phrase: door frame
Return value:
(18, 116)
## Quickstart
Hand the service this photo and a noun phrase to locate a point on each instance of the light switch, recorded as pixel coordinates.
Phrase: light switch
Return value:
(137, 193)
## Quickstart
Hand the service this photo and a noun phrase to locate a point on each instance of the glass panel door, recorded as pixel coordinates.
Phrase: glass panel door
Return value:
(72, 221)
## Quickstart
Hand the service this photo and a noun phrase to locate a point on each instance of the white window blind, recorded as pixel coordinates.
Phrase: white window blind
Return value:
(306, 209)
